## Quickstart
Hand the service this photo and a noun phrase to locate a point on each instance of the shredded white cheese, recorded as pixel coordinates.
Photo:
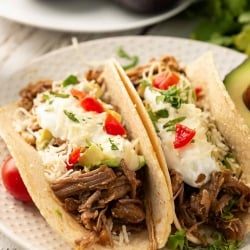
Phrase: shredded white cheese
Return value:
(205, 153)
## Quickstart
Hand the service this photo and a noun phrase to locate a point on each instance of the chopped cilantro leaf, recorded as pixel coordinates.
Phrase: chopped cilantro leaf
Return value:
(70, 80)
(113, 145)
(226, 211)
(88, 143)
(170, 125)
(60, 95)
(226, 163)
(58, 212)
(133, 59)
(162, 113)
(172, 96)
(176, 241)
(71, 116)
(45, 97)
(220, 243)
(145, 82)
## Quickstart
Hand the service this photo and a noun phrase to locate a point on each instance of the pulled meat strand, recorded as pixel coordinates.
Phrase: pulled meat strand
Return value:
(178, 184)
(29, 93)
(117, 189)
(206, 205)
(136, 74)
(129, 211)
(103, 200)
(221, 203)
(131, 176)
(233, 229)
(96, 179)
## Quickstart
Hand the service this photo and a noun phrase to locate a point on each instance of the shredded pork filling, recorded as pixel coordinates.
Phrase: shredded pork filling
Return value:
(109, 202)
(104, 200)
(221, 201)
(218, 203)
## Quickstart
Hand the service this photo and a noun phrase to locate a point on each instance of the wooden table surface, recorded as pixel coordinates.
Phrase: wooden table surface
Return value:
(20, 44)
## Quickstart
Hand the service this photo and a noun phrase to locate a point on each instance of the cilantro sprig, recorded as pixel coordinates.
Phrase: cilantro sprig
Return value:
(71, 116)
(170, 125)
(113, 145)
(178, 241)
(70, 80)
(133, 60)
(172, 96)
(226, 211)
(223, 22)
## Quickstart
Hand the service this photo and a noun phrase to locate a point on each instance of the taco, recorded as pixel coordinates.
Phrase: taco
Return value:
(88, 163)
(206, 146)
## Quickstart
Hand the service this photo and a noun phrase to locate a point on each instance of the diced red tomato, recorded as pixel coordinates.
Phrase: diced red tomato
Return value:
(113, 127)
(78, 93)
(164, 80)
(198, 92)
(183, 135)
(91, 104)
(73, 157)
(13, 181)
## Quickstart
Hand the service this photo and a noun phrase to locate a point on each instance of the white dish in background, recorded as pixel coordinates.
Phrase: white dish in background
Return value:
(22, 222)
(82, 16)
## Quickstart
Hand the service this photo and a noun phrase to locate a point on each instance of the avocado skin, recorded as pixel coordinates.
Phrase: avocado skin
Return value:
(236, 83)
(146, 6)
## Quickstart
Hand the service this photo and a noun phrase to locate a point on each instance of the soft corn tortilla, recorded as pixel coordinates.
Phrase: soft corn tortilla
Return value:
(31, 168)
(232, 126)
(202, 72)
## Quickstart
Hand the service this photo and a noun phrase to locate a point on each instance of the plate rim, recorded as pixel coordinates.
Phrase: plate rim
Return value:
(128, 37)
(182, 5)
(107, 40)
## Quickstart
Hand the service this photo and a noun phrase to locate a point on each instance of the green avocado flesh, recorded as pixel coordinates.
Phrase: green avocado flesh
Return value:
(237, 83)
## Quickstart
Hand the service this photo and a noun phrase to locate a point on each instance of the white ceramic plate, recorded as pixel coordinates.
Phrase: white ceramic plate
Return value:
(22, 222)
(82, 15)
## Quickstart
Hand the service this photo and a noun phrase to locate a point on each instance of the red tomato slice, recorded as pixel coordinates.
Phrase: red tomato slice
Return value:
(113, 127)
(91, 104)
(13, 181)
(78, 93)
(73, 158)
(198, 92)
(164, 80)
(183, 135)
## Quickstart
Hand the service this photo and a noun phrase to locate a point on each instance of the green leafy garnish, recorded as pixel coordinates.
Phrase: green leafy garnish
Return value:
(88, 143)
(162, 113)
(226, 163)
(221, 243)
(133, 59)
(45, 97)
(59, 213)
(172, 96)
(70, 80)
(153, 118)
(177, 240)
(60, 95)
(71, 116)
(223, 22)
(170, 125)
(113, 145)
(145, 82)
(226, 211)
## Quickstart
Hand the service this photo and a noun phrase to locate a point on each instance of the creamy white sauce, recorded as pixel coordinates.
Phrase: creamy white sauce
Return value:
(87, 130)
(193, 159)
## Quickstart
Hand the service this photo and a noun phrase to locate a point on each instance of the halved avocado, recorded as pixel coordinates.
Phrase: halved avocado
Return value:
(237, 83)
